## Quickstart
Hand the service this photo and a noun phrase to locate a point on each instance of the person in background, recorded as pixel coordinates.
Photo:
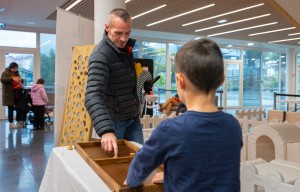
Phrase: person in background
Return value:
(111, 94)
(200, 149)
(171, 102)
(11, 82)
(143, 76)
(39, 100)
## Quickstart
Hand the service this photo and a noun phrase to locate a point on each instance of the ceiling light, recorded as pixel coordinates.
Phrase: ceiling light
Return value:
(284, 40)
(284, 29)
(250, 44)
(293, 34)
(243, 29)
(222, 21)
(253, 59)
(182, 14)
(228, 13)
(149, 11)
(72, 5)
(239, 21)
(2, 9)
(127, 1)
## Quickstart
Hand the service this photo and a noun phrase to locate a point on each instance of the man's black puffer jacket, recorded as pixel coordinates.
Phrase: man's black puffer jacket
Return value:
(111, 86)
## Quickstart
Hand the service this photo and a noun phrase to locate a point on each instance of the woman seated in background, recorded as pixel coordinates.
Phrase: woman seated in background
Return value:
(171, 102)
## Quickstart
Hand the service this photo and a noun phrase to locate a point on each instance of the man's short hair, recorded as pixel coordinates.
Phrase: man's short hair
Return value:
(121, 13)
(202, 63)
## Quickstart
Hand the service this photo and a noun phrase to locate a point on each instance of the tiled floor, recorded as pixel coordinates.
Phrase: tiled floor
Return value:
(24, 155)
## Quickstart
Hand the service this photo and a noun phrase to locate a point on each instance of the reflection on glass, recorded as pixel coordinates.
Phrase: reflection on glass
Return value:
(231, 54)
(173, 48)
(283, 73)
(17, 39)
(270, 65)
(251, 78)
(157, 52)
(233, 85)
(298, 73)
(135, 50)
(47, 60)
(25, 62)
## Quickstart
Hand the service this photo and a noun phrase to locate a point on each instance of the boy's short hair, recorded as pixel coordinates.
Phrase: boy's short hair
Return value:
(202, 63)
(40, 81)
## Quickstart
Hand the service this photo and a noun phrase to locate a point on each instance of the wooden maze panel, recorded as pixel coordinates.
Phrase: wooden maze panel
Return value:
(76, 122)
(93, 150)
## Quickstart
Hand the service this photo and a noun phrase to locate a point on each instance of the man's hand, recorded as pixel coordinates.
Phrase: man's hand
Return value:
(158, 178)
(109, 143)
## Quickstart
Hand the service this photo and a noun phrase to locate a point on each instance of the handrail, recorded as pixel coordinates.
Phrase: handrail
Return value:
(220, 92)
(282, 94)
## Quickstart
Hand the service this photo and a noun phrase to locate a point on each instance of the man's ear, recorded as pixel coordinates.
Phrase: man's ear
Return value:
(106, 28)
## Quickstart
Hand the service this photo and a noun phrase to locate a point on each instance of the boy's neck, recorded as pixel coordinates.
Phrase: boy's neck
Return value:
(201, 102)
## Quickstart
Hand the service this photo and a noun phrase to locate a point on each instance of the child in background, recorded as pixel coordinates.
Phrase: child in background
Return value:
(39, 100)
(200, 149)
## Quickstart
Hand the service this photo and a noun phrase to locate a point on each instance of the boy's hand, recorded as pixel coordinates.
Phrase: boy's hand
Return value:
(158, 178)
(125, 183)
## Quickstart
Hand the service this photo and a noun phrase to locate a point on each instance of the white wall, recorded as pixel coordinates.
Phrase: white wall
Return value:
(71, 30)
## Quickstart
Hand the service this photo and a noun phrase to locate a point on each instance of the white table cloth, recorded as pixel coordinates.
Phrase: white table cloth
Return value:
(66, 171)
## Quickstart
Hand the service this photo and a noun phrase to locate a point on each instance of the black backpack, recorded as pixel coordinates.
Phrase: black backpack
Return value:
(24, 101)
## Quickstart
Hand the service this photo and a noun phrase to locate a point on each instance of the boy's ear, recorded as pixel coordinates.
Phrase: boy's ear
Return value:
(223, 79)
(180, 80)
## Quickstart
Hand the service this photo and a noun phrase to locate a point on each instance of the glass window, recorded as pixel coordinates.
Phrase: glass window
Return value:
(298, 73)
(231, 54)
(173, 48)
(25, 62)
(283, 73)
(135, 50)
(17, 39)
(252, 78)
(47, 60)
(156, 52)
(270, 73)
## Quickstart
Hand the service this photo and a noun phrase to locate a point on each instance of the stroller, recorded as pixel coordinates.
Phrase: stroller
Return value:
(24, 105)
(30, 118)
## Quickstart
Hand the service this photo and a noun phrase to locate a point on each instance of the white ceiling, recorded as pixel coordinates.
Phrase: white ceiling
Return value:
(32, 14)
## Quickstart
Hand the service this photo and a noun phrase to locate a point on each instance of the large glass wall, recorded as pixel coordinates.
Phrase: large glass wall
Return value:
(251, 78)
(298, 74)
(231, 54)
(136, 50)
(173, 48)
(17, 39)
(157, 52)
(47, 60)
(283, 73)
(270, 76)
